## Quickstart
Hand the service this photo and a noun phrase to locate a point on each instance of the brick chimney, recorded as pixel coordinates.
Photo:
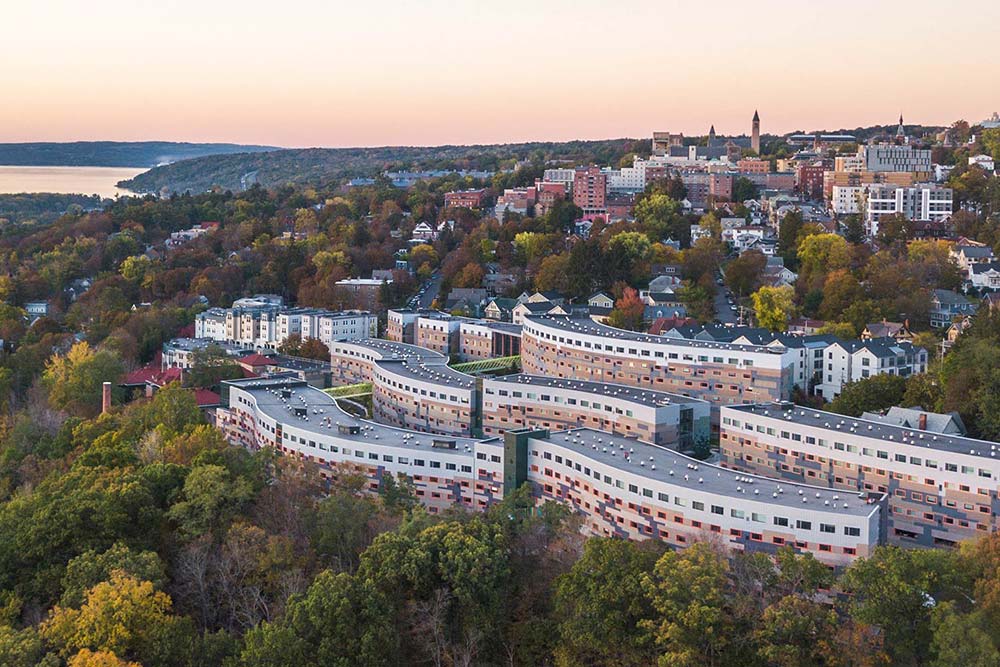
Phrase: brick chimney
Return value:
(922, 423)
(106, 397)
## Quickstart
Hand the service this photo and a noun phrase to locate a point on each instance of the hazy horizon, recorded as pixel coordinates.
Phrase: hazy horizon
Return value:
(338, 75)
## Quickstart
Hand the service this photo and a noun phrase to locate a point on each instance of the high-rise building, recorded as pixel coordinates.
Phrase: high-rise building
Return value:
(755, 134)
(590, 190)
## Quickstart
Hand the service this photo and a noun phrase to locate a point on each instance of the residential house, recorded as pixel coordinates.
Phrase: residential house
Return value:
(985, 275)
(947, 305)
(601, 300)
(525, 308)
(967, 254)
(500, 309)
(919, 419)
(899, 331)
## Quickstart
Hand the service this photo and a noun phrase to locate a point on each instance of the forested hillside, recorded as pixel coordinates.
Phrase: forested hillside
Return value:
(112, 153)
(316, 165)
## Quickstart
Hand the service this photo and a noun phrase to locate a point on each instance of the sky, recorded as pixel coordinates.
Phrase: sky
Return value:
(303, 73)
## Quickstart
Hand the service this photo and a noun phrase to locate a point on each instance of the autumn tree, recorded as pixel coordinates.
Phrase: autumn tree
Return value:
(74, 380)
(743, 274)
(773, 307)
(628, 311)
(123, 616)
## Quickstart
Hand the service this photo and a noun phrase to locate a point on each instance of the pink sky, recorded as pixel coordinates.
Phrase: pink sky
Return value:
(311, 73)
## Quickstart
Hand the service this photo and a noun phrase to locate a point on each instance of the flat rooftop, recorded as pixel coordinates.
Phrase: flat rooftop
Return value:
(648, 397)
(592, 328)
(437, 373)
(393, 350)
(659, 463)
(324, 416)
(871, 429)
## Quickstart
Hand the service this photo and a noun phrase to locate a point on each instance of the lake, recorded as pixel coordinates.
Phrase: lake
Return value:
(76, 180)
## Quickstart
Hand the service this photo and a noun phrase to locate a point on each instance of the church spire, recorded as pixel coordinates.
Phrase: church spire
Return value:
(900, 131)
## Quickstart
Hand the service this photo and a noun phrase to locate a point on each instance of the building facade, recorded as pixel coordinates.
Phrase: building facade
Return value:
(619, 487)
(721, 373)
(942, 489)
(512, 402)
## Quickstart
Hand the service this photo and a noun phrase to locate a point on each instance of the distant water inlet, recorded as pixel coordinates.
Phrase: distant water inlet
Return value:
(66, 180)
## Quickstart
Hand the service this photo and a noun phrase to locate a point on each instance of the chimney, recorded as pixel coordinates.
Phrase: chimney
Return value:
(923, 421)
(106, 397)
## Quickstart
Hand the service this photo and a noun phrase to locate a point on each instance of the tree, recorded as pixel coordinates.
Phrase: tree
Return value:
(687, 588)
(895, 590)
(960, 640)
(91, 568)
(310, 348)
(603, 608)
(840, 290)
(212, 496)
(423, 254)
(796, 632)
(471, 275)
(743, 274)
(211, 365)
(88, 658)
(773, 306)
(855, 229)
(819, 254)
(552, 273)
(843, 330)
(788, 238)
(74, 380)
(628, 311)
(657, 211)
(894, 228)
(341, 621)
(123, 616)
(744, 189)
(872, 394)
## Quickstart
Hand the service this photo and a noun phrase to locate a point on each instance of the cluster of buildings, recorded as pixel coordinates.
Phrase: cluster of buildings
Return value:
(620, 485)
(264, 322)
(598, 418)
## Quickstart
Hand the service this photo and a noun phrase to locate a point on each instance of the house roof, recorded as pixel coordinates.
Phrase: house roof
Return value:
(206, 399)
(537, 306)
(256, 359)
(975, 251)
(662, 324)
(936, 422)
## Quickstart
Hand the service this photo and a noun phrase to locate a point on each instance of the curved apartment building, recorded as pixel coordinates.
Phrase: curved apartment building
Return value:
(518, 401)
(412, 387)
(721, 373)
(620, 486)
(941, 488)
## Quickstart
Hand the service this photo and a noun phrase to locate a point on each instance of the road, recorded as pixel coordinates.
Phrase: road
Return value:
(431, 289)
(723, 312)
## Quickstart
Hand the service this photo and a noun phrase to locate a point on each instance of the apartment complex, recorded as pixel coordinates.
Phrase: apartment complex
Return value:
(850, 361)
(264, 322)
(465, 198)
(941, 488)
(590, 190)
(412, 386)
(620, 486)
(721, 373)
(520, 401)
(896, 157)
(923, 201)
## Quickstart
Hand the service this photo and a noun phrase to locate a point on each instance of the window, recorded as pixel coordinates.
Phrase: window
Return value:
(827, 528)
(852, 532)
